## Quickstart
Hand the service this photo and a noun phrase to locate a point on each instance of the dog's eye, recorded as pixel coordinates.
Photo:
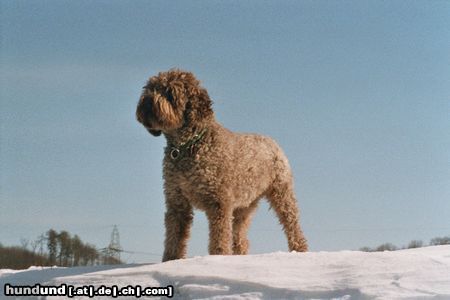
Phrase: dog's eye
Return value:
(170, 97)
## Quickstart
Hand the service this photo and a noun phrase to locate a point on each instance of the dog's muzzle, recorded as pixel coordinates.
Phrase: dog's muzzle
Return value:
(154, 132)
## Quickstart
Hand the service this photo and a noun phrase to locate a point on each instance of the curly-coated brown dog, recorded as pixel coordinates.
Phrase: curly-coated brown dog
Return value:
(208, 167)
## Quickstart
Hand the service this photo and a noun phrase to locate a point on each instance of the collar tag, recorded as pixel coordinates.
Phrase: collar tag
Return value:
(174, 153)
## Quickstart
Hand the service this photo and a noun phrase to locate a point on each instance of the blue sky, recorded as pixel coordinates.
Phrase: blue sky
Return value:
(356, 92)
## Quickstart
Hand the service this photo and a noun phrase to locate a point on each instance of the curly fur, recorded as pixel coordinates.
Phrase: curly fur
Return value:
(226, 175)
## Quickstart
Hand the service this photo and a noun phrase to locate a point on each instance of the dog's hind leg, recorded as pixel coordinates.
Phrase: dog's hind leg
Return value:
(282, 199)
(241, 221)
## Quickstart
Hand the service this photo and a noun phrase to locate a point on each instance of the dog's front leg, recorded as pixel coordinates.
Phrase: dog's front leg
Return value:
(178, 222)
(220, 230)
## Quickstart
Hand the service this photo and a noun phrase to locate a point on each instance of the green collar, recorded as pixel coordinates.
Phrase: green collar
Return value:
(176, 153)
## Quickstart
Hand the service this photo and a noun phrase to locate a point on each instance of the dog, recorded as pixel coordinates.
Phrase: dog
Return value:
(213, 169)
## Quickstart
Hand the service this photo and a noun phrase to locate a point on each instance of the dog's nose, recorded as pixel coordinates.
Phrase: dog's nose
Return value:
(154, 132)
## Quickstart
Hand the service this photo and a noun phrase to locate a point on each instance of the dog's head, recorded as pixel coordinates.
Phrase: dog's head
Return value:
(172, 100)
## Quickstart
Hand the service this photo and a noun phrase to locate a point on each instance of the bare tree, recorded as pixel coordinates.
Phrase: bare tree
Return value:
(40, 242)
(52, 245)
(386, 247)
(365, 249)
(415, 244)
(440, 241)
(65, 248)
(77, 249)
(24, 243)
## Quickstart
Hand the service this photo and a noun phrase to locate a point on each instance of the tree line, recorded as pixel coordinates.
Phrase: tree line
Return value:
(55, 249)
(413, 244)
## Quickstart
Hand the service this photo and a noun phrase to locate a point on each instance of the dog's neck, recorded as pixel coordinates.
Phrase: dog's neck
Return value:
(185, 134)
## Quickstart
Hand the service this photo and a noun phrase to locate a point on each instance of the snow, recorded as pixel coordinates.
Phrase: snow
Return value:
(406, 274)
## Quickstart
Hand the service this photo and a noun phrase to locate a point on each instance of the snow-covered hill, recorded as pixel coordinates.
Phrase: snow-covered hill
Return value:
(407, 274)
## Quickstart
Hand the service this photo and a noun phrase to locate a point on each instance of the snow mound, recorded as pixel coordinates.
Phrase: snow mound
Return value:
(407, 274)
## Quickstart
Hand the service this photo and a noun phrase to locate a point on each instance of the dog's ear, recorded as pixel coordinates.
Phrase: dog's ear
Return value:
(175, 92)
(199, 106)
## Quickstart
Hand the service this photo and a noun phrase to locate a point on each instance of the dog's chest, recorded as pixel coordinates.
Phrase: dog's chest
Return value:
(197, 180)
